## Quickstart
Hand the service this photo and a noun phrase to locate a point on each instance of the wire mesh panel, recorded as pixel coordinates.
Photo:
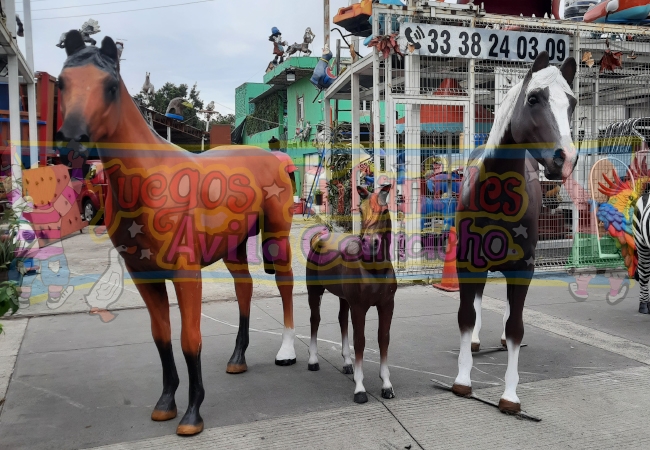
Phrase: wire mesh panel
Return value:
(432, 135)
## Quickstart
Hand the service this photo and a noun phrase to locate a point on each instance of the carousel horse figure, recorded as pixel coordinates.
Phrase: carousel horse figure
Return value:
(358, 270)
(307, 39)
(177, 212)
(499, 207)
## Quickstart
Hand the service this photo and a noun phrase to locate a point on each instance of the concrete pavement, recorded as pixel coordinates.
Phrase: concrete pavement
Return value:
(81, 383)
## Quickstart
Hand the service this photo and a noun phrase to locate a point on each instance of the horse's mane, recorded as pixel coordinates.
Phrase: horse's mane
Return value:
(93, 55)
(540, 80)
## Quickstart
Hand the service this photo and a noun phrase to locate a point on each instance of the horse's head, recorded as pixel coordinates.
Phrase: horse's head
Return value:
(90, 90)
(541, 117)
(376, 225)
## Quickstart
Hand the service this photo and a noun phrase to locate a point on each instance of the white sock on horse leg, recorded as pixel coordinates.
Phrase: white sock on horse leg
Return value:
(287, 350)
(384, 374)
(313, 350)
(465, 359)
(477, 325)
(345, 350)
(512, 373)
(358, 375)
(506, 314)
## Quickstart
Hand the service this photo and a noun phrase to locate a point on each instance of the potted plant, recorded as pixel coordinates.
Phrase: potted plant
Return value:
(318, 197)
(11, 269)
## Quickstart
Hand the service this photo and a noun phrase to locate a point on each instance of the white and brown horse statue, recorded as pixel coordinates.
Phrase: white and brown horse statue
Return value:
(499, 207)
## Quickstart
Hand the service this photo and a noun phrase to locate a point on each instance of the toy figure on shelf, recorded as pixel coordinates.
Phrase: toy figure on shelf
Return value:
(307, 39)
(278, 46)
(323, 76)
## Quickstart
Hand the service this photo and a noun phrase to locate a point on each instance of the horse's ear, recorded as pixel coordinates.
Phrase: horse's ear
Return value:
(541, 62)
(569, 69)
(109, 48)
(363, 192)
(383, 195)
(73, 42)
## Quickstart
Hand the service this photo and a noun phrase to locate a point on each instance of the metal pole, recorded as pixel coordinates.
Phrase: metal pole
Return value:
(169, 134)
(338, 73)
(31, 87)
(14, 102)
(356, 150)
(376, 117)
(326, 23)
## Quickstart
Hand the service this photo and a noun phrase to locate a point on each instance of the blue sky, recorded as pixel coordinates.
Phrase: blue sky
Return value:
(220, 44)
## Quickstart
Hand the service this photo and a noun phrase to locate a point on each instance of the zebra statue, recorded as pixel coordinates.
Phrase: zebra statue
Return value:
(642, 243)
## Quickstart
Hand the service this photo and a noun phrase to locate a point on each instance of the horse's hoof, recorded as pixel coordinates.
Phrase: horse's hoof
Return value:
(462, 390)
(643, 308)
(285, 362)
(236, 368)
(161, 416)
(348, 369)
(476, 346)
(387, 393)
(313, 367)
(360, 397)
(504, 344)
(508, 407)
(189, 429)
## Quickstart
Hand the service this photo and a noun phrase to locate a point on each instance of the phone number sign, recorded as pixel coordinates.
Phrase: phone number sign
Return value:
(482, 43)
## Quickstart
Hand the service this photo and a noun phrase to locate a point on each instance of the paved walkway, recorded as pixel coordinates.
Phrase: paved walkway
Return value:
(80, 383)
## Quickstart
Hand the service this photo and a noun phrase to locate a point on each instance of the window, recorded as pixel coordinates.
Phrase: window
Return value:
(300, 117)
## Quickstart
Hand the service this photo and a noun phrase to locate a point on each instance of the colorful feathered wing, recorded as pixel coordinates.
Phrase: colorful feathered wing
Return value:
(617, 214)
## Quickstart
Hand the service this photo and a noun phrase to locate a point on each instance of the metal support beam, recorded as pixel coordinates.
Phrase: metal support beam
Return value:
(31, 87)
(376, 117)
(356, 152)
(413, 135)
(326, 23)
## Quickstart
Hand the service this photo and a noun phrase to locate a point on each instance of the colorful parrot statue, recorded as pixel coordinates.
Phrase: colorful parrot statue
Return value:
(617, 214)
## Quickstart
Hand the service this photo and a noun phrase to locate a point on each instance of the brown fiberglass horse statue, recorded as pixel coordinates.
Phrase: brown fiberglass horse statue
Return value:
(178, 212)
(358, 270)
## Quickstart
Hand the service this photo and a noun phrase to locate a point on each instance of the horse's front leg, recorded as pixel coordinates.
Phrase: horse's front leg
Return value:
(344, 314)
(155, 297)
(466, 321)
(189, 300)
(315, 294)
(359, 325)
(238, 268)
(517, 290)
(478, 299)
(385, 311)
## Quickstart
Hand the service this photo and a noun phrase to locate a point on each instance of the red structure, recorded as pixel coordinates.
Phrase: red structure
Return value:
(220, 135)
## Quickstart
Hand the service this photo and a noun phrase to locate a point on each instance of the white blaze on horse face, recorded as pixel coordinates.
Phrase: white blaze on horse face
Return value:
(287, 350)
(477, 324)
(512, 373)
(465, 360)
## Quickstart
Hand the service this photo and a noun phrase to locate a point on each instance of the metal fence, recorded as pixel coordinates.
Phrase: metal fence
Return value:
(439, 108)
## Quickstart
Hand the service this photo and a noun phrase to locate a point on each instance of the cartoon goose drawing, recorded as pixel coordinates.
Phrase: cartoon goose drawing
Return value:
(108, 289)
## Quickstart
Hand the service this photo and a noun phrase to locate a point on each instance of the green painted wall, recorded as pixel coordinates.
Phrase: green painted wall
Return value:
(243, 96)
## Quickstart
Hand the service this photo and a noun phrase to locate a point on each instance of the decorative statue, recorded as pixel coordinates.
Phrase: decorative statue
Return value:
(323, 77)
(176, 212)
(176, 108)
(365, 275)
(147, 87)
(499, 206)
(87, 29)
(278, 46)
(307, 39)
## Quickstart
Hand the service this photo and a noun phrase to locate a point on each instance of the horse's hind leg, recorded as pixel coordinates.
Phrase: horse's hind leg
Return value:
(478, 299)
(517, 291)
(385, 311)
(466, 321)
(155, 297)
(276, 247)
(506, 315)
(344, 313)
(238, 268)
(315, 294)
(359, 325)
(189, 301)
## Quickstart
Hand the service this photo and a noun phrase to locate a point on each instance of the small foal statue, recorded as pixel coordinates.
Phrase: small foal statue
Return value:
(358, 270)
